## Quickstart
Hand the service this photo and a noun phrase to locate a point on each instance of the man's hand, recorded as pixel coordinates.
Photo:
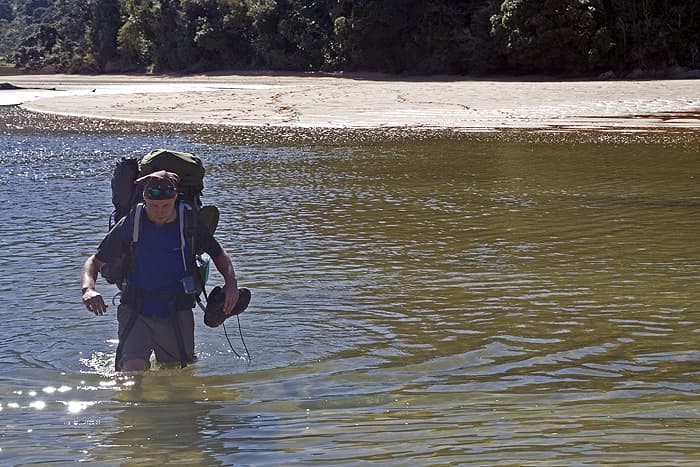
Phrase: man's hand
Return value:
(225, 267)
(231, 292)
(94, 302)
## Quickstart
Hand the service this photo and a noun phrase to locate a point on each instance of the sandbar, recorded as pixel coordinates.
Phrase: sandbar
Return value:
(365, 101)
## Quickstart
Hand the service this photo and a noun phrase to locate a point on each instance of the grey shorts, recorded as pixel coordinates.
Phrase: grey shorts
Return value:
(153, 334)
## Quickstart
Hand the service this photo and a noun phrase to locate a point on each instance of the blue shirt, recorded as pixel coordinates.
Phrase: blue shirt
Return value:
(157, 266)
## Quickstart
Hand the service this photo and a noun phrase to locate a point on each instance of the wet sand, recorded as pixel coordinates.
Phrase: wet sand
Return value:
(365, 101)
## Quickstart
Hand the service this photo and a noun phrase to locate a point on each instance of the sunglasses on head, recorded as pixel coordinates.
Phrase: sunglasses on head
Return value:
(160, 193)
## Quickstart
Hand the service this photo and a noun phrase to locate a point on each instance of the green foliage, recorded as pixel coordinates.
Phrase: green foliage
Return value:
(447, 37)
(654, 34)
(219, 31)
(382, 35)
(545, 36)
(396, 36)
(132, 47)
(290, 34)
(55, 43)
(103, 25)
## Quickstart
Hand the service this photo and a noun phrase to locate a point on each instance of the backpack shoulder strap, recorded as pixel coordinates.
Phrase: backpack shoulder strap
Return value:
(135, 221)
(189, 225)
(136, 218)
(189, 218)
(188, 232)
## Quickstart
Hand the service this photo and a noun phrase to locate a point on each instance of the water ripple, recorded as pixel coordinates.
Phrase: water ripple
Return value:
(488, 303)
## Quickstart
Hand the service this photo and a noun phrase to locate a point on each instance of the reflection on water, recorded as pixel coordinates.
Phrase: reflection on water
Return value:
(438, 302)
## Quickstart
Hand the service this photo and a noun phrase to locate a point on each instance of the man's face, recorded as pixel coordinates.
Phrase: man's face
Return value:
(160, 197)
(160, 211)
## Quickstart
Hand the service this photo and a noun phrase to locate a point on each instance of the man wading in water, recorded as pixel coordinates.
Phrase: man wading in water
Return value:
(155, 313)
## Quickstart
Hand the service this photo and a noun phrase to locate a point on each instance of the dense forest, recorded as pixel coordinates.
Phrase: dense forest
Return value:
(467, 37)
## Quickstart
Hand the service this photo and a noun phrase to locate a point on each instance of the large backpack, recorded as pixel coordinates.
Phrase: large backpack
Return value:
(127, 198)
(188, 167)
(125, 195)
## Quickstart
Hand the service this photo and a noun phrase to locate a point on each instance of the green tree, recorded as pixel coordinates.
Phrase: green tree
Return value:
(35, 48)
(654, 34)
(383, 35)
(59, 42)
(444, 39)
(102, 28)
(132, 47)
(483, 55)
(545, 36)
(169, 40)
(398, 36)
(220, 30)
(159, 23)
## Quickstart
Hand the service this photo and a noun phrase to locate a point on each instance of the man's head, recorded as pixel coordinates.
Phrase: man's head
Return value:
(160, 190)
(159, 185)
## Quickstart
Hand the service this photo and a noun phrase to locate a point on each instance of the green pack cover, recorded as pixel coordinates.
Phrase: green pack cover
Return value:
(188, 166)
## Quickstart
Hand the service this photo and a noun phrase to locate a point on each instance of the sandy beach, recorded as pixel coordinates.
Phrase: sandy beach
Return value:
(375, 101)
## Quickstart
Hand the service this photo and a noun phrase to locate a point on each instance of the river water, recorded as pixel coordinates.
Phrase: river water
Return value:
(466, 301)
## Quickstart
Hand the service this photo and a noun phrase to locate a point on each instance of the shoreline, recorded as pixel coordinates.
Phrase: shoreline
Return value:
(362, 102)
